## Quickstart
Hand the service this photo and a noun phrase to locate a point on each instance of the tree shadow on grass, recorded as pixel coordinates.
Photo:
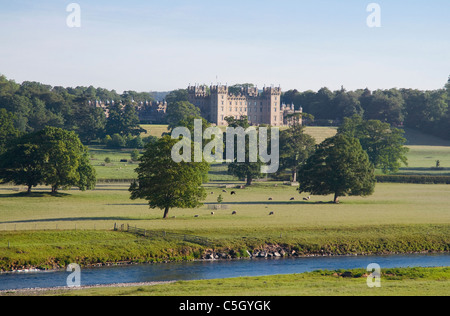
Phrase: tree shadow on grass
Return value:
(34, 195)
(273, 203)
(74, 219)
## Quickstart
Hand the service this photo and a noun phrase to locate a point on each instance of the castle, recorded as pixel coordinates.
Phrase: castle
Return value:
(216, 103)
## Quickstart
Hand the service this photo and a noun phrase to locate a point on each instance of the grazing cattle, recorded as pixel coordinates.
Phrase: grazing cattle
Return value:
(307, 199)
(234, 213)
(212, 213)
(270, 199)
(292, 199)
(224, 191)
(233, 193)
(271, 213)
(196, 216)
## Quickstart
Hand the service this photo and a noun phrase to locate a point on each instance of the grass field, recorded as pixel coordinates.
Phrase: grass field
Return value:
(394, 282)
(397, 218)
(425, 150)
(117, 170)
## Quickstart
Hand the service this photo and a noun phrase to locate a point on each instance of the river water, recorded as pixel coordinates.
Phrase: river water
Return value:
(206, 270)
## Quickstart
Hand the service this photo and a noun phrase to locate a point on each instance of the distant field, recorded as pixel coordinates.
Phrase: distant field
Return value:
(115, 169)
(425, 150)
(118, 170)
(154, 130)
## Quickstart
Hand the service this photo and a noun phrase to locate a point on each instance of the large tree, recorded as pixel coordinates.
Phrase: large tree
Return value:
(248, 169)
(21, 163)
(295, 149)
(166, 184)
(65, 160)
(123, 120)
(383, 143)
(7, 130)
(339, 166)
(53, 157)
(181, 111)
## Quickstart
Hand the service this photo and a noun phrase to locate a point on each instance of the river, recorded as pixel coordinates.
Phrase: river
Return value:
(206, 270)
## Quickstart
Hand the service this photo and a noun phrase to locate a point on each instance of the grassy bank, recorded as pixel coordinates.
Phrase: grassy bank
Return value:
(394, 282)
(57, 249)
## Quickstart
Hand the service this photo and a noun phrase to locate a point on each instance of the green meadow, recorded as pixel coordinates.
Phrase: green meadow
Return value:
(50, 231)
(394, 282)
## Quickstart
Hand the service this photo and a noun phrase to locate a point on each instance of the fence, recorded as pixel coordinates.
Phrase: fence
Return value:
(162, 234)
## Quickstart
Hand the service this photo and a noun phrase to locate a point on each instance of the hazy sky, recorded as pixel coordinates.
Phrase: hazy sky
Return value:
(165, 45)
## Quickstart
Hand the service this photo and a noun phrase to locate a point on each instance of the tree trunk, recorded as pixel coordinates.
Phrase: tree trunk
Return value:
(29, 189)
(336, 198)
(54, 189)
(249, 180)
(166, 212)
(294, 175)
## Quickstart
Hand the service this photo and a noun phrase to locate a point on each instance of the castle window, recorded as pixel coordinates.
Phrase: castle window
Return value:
(275, 109)
(222, 103)
(235, 109)
(223, 109)
(275, 118)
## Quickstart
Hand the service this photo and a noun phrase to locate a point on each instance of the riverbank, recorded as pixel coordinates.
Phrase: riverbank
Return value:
(394, 282)
(53, 250)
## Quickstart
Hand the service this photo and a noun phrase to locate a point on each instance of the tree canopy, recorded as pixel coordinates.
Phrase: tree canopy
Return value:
(339, 166)
(249, 170)
(295, 149)
(166, 184)
(52, 157)
(383, 143)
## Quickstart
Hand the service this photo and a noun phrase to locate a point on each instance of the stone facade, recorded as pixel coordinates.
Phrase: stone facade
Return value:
(149, 112)
(217, 103)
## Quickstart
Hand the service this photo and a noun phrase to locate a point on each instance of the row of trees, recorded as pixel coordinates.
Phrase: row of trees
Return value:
(35, 106)
(427, 111)
(51, 156)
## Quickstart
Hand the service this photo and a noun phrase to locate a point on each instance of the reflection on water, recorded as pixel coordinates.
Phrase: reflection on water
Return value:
(202, 270)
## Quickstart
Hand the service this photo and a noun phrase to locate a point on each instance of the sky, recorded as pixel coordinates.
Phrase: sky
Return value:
(165, 45)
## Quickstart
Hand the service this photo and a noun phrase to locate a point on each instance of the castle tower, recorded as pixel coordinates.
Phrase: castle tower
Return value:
(219, 104)
(199, 96)
(272, 104)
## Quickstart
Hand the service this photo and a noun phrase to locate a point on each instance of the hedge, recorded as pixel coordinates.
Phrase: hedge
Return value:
(417, 179)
